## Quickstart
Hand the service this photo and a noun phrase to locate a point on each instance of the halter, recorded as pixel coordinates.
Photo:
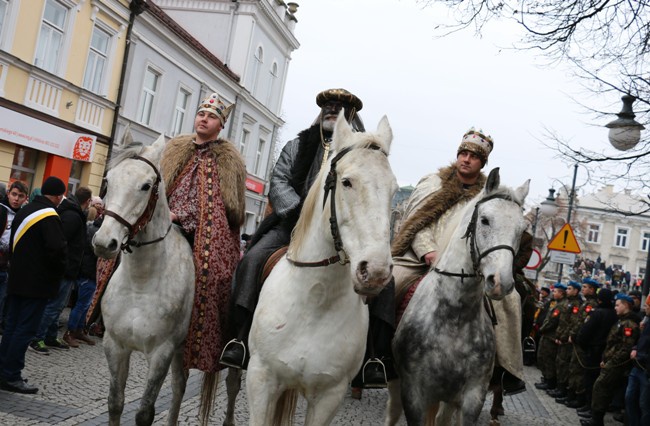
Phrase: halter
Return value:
(330, 186)
(144, 218)
(475, 252)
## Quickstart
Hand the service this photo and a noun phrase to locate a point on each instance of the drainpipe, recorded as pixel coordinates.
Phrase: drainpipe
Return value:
(231, 23)
(136, 7)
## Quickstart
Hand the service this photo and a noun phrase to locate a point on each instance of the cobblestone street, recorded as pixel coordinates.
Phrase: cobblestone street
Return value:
(74, 386)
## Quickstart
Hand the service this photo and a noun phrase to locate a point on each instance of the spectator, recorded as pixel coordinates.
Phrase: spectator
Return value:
(637, 394)
(37, 264)
(73, 220)
(9, 205)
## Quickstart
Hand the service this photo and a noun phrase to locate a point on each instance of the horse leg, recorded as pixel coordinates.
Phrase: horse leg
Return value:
(415, 407)
(445, 414)
(263, 390)
(497, 401)
(233, 385)
(118, 365)
(394, 403)
(472, 404)
(179, 381)
(322, 406)
(159, 362)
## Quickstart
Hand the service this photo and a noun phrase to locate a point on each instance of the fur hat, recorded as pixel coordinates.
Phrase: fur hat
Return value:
(215, 105)
(338, 95)
(477, 142)
(53, 186)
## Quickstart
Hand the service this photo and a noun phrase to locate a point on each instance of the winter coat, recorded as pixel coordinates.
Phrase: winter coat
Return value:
(73, 220)
(38, 251)
(89, 259)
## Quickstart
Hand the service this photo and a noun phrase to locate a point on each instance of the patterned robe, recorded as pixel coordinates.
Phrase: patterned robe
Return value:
(198, 196)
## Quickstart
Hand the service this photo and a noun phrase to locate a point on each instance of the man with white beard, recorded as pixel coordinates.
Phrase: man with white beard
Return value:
(293, 175)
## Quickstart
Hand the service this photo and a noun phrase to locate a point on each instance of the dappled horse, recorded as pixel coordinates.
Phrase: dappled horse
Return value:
(148, 300)
(444, 345)
(310, 325)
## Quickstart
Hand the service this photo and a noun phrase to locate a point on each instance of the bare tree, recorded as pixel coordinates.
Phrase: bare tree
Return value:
(607, 42)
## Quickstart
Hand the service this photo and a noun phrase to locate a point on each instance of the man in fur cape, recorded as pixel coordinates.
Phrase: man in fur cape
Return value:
(205, 179)
(293, 176)
(425, 232)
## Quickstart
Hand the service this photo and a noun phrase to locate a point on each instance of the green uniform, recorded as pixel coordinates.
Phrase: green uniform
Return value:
(547, 348)
(622, 337)
(576, 369)
(564, 349)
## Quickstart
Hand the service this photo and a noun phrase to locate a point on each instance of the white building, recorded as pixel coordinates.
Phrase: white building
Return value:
(182, 50)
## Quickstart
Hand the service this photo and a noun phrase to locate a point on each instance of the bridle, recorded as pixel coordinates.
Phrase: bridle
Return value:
(144, 218)
(475, 251)
(330, 187)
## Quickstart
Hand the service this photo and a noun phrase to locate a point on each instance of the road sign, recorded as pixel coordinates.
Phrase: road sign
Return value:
(565, 240)
(563, 257)
(530, 274)
(535, 260)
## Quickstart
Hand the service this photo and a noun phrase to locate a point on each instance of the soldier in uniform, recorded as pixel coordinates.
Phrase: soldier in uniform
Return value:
(576, 388)
(616, 361)
(563, 359)
(547, 348)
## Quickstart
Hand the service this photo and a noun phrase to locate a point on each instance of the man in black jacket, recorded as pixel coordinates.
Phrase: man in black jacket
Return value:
(37, 264)
(73, 219)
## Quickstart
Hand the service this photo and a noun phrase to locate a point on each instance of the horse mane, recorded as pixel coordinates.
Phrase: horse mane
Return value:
(312, 201)
(123, 152)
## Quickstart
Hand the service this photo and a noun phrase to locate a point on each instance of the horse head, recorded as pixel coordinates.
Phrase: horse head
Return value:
(133, 190)
(498, 223)
(365, 188)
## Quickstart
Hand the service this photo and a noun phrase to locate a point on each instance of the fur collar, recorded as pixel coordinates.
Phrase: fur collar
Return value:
(451, 192)
(230, 166)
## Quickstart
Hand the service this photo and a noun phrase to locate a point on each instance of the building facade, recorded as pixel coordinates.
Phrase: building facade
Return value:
(60, 63)
(181, 51)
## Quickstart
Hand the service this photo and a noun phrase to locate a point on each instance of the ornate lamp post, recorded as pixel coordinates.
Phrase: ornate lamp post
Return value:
(625, 134)
(548, 208)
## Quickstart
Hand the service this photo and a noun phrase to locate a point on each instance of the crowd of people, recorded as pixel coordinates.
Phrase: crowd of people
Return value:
(594, 351)
(611, 276)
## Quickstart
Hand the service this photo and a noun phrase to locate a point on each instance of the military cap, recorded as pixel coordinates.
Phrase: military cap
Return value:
(592, 282)
(626, 298)
(575, 284)
(559, 286)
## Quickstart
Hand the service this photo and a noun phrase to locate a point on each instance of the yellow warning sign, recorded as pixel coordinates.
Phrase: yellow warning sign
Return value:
(565, 240)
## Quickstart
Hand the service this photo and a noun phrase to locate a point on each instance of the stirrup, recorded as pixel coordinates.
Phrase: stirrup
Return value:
(228, 346)
(375, 382)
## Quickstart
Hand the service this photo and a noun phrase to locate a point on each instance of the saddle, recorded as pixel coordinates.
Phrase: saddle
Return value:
(271, 262)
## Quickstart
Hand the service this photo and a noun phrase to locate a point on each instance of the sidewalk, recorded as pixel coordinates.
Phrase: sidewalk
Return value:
(74, 387)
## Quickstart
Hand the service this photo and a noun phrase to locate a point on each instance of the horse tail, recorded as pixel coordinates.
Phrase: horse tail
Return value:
(208, 392)
(285, 408)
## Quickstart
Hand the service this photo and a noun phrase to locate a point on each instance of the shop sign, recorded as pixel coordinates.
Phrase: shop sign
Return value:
(27, 131)
(255, 186)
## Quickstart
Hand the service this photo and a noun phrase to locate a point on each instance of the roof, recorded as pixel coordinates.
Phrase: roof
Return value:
(607, 199)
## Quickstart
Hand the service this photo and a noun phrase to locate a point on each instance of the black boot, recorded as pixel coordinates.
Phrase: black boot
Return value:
(547, 385)
(235, 354)
(512, 385)
(579, 401)
(374, 374)
(570, 396)
(559, 392)
(597, 419)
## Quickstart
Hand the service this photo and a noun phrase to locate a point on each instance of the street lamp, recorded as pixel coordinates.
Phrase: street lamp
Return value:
(549, 207)
(625, 134)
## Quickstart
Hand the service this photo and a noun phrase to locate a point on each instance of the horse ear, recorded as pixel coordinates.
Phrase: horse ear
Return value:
(522, 192)
(493, 180)
(158, 147)
(342, 130)
(127, 138)
(384, 132)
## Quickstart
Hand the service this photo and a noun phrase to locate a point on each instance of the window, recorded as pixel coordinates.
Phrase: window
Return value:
(96, 64)
(258, 158)
(245, 134)
(274, 79)
(621, 237)
(257, 65)
(179, 112)
(593, 235)
(645, 240)
(50, 39)
(24, 165)
(149, 88)
(75, 176)
(4, 6)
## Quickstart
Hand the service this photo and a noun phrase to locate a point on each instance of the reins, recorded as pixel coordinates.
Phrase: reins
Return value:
(144, 218)
(330, 187)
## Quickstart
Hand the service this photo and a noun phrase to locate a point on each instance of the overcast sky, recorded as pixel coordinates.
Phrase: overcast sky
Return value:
(434, 89)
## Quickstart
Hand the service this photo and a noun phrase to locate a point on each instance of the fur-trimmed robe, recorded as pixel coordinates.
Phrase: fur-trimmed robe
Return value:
(211, 211)
(231, 167)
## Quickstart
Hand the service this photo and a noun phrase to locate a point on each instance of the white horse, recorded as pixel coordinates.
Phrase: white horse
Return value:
(309, 329)
(148, 301)
(444, 345)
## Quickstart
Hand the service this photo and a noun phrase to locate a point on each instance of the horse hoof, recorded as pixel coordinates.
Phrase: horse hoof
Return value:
(356, 393)
(495, 422)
